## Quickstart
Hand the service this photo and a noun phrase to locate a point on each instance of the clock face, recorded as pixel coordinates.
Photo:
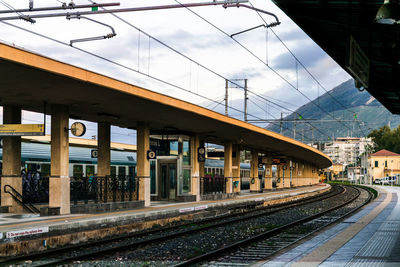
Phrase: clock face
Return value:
(78, 129)
(201, 150)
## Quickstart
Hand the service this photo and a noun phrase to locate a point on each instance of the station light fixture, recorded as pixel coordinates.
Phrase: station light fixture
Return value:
(388, 13)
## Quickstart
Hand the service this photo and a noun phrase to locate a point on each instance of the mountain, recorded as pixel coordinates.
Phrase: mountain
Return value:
(349, 112)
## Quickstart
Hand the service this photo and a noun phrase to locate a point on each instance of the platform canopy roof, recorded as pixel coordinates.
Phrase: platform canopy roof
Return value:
(29, 79)
(331, 23)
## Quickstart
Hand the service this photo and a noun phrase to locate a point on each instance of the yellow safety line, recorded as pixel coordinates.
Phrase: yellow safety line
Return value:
(323, 252)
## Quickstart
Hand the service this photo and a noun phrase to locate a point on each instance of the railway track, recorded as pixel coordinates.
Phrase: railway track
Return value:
(263, 246)
(95, 249)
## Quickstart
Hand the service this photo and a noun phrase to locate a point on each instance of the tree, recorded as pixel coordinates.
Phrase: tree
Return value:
(385, 138)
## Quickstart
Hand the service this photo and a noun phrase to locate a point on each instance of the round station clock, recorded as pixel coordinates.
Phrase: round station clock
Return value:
(78, 129)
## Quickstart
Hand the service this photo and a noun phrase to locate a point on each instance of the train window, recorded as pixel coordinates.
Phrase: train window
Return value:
(131, 171)
(45, 170)
(89, 170)
(33, 167)
(121, 171)
(77, 171)
(113, 171)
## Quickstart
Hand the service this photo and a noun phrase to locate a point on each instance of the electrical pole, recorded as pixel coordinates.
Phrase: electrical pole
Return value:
(245, 99)
(294, 127)
(226, 97)
(312, 132)
(281, 122)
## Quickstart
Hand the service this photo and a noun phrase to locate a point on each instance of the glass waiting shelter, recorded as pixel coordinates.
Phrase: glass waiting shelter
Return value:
(170, 171)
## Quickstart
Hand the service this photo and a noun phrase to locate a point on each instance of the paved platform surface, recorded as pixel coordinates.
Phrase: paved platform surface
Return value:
(15, 222)
(370, 237)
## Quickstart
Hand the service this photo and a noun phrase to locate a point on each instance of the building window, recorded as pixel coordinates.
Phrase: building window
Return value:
(385, 163)
(376, 163)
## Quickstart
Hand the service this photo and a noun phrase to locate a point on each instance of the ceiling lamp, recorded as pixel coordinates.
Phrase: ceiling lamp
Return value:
(388, 13)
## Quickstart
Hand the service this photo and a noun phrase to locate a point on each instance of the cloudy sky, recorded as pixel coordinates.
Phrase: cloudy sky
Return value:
(186, 54)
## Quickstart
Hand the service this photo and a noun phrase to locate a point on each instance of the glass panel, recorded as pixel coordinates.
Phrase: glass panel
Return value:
(186, 153)
(45, 170)
(131, 171)
(77, 171)
(113, 171)
(186, 181)
(172, 181)
(164, 180)
(173, 147)
(121, 171)
(89, 170)
(153, 180)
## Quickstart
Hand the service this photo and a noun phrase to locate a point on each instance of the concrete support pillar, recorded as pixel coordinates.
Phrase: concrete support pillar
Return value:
(254, 181)
(294, 174)
(228, 167)
(279, 181)
(11, 160)
(142, 163)
(59, 188)
(202, 170)
(236, 168)
(309, 174)
(104, 149)
(195, 176)
(290, 172)
(268, 174)
(286, 175)
(303, 173)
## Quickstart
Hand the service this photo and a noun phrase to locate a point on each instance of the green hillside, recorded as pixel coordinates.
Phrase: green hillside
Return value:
(363, 114)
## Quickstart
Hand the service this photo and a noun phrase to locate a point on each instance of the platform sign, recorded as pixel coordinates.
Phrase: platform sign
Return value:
(276, 161)
(26, 232)
(151, 154)
(201, 154)
(260, 163)
(21, 129)
(358, 63)
(94, 153)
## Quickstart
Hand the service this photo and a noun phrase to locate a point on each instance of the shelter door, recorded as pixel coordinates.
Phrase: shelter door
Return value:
(168, 181)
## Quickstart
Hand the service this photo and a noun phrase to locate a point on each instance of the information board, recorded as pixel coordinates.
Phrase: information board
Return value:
(21, 129)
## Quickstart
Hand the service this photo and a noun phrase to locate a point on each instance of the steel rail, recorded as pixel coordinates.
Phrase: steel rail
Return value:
(261, 212)
(273, 232)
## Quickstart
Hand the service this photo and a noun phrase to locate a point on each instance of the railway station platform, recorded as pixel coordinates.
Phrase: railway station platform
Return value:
(22, 234)
(371, 237)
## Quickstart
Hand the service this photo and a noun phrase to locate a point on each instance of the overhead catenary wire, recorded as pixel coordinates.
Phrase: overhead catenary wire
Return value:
(191, 60)
(306, 69)
(258, 58)
(124, 66)
(118, 64)
(249, 51)
(121, 65)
